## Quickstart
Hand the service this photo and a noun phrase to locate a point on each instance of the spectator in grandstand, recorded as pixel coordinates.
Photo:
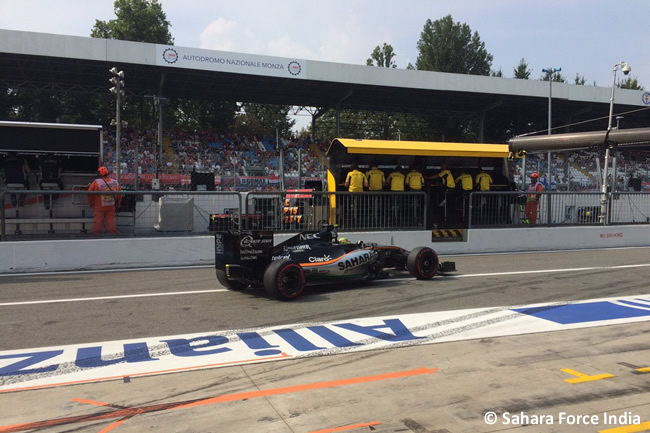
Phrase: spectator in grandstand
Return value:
(532, 198)
(635, 183)
(50, 167)
(104, 205)
(16, 171)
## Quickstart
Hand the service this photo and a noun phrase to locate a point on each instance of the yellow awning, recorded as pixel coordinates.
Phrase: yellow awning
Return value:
(420, 148)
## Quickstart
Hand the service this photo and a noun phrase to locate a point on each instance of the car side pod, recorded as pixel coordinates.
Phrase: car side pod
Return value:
(284, 279)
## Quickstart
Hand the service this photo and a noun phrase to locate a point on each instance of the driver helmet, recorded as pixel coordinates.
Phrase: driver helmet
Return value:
(102, 171)
(344, 241)
(534, 176)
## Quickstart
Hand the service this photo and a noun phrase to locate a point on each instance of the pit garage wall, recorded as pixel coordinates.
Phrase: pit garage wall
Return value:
(63, 255)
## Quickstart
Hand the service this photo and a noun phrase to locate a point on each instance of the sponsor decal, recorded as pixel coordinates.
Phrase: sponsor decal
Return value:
(170, 55)
(358, 260)
(296, 248)
(248, 252)
(281, 257)
(325, 258)
(23, 368)
(249, 242)
(218, 245)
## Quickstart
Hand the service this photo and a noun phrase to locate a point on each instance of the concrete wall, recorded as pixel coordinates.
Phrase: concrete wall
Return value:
(60, 255)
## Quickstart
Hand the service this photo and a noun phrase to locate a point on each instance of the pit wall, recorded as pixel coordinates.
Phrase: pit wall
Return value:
(87, 254)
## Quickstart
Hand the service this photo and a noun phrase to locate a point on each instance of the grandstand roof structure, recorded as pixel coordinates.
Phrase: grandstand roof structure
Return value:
(49, 61)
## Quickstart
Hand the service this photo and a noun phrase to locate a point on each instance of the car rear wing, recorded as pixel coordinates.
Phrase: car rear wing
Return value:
(252, 249)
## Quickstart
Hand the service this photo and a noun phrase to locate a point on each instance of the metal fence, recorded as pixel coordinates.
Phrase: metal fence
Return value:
(38, 214)
(507, 209)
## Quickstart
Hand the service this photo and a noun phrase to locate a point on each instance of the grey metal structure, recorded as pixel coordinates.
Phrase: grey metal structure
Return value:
(49, 61)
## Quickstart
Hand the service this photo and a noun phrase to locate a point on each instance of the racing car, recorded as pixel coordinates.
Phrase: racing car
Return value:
(246, 258)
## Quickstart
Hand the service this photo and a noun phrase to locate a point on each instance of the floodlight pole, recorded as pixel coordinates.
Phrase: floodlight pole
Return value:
(118, 83)
(550, 72)
(603, 217)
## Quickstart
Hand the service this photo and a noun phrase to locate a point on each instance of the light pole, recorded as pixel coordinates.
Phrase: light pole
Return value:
(623, 66)
(550, 72)
(118, 84)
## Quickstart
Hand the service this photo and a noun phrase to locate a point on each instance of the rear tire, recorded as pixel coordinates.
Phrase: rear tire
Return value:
(422, 263)
(235, 285)
(284, 279)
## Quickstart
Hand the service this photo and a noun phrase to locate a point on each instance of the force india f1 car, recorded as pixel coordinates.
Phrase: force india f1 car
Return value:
(249, 258)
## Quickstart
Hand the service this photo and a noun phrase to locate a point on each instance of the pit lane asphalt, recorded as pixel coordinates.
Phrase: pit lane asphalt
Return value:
(515, 373)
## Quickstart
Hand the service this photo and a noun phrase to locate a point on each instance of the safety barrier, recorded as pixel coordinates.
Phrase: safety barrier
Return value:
(510, 209)
(147, 213)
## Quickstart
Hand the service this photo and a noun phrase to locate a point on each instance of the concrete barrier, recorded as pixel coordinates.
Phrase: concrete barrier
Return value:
(63, 255)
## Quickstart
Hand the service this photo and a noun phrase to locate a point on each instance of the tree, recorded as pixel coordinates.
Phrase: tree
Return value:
(579, 80)
(630, 83)
(498, 73)
(445, 46)
(522, 71)
(556, 77)
(263, 120)
(137, 21)
(382, 57)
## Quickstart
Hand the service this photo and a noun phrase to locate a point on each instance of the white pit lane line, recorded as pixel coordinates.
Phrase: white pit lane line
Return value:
(91, 362)
(198, 292)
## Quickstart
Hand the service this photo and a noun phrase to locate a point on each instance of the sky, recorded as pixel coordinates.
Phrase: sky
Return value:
(585, 37)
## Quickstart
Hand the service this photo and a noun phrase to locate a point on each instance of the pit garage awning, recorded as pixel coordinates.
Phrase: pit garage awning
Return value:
(416, 148)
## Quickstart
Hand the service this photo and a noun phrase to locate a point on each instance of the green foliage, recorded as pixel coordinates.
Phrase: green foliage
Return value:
(630, 83)
(264, 120)
(556, 77)
(382, 57)
(522, 72)
(136, 20)
(579, 80)
(445, 46)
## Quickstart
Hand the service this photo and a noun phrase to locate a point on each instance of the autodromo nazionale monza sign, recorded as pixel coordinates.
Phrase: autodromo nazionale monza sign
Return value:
(51, 366)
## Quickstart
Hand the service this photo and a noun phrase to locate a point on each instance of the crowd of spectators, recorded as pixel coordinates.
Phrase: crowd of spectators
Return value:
(582, 170)
(208, 152)
(247, 156)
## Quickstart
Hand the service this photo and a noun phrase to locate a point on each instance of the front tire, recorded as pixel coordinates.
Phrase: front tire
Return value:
(284, 279)
(235, 285)
(422, 263)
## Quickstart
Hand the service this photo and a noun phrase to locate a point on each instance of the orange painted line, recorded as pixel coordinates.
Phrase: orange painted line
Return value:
(96, 403)
(146, 373)
(347, 427)
(309, 387)
(130, 412)
(115, 424)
